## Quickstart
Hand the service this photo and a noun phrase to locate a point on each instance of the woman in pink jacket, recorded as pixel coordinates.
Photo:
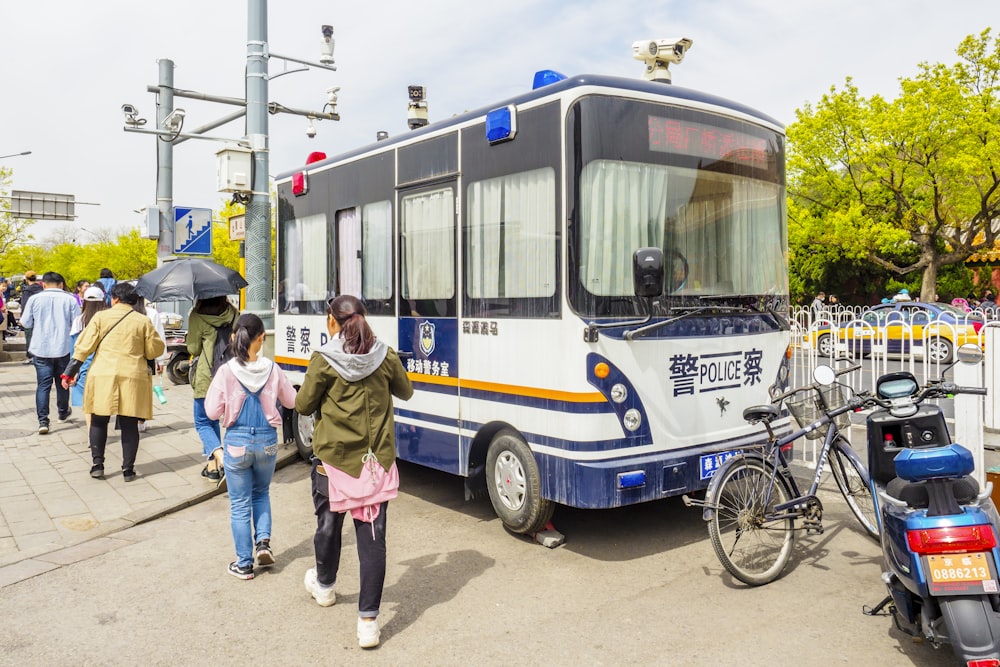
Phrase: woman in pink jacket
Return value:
(244, 396)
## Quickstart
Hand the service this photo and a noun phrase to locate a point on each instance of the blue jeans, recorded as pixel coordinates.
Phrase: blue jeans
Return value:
(47, 372)
(249, 458)
(208, 429)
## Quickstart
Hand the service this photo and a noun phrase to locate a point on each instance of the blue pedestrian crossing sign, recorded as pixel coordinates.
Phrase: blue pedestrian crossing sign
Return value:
(192, 231)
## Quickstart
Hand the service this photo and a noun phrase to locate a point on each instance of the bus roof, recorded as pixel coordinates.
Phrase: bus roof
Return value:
(551, 90)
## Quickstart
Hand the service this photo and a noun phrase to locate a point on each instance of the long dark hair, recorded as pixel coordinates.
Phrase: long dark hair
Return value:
(90, 308)
(349, 313)
(247, 329)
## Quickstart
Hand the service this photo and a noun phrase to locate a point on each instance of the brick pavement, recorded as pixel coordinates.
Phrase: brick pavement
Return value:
(52, 512)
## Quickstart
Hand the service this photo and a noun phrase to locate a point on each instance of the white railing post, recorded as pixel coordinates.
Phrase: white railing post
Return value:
(992, 374)
(969, 416)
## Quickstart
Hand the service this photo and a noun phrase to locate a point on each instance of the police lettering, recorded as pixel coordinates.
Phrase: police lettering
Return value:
(719, 371)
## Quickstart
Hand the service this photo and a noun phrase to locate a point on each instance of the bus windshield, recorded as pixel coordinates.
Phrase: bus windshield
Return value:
(708, 191)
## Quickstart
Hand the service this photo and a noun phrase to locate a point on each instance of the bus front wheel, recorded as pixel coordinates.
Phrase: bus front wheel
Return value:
(515, 485)
(302, 426)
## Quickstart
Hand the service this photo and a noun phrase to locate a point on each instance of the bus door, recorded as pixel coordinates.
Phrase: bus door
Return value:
(428, 424)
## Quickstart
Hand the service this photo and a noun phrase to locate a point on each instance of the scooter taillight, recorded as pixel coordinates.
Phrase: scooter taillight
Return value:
(951, 540)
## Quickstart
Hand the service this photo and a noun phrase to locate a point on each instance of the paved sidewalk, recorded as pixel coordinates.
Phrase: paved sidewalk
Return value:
(49, 504)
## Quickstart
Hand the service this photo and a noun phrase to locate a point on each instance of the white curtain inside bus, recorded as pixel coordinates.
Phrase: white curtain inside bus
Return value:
(428, 232)
(304, 287)
(376, 238)
(727, 227)
(348, 252)
(511, 240)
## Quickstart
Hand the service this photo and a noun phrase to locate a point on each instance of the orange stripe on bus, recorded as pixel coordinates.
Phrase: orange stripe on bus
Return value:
(517, 390)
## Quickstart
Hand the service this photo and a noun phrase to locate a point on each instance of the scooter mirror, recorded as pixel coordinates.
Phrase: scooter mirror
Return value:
(824, 375)
(969, 353)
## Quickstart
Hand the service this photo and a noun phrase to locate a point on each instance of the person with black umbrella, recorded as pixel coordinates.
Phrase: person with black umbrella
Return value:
(204, 322)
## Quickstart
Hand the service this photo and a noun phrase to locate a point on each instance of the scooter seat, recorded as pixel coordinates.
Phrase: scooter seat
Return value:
(917, 494)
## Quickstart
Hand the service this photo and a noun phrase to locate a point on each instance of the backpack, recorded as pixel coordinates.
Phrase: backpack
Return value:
(222, 351)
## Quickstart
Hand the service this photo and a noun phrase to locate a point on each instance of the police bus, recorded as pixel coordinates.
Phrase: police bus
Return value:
(587, 284)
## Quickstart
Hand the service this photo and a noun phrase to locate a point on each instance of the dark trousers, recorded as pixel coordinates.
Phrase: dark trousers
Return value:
(99, 439)
(27, 342)
(327, 541)
(47, 372)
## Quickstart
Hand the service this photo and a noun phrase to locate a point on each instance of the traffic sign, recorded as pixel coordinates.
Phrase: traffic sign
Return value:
(192, 231)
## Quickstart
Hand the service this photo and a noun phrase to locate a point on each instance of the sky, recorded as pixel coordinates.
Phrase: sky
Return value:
(66, 68)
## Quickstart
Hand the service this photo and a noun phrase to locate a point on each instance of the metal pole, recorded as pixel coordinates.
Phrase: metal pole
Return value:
(969, 416)
(165, 165)
(258, 211)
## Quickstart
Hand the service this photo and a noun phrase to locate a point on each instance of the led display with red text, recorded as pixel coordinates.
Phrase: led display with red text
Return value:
(669, 135)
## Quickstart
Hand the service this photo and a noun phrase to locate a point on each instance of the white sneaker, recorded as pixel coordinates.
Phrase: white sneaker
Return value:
(368, 632)
(142, 427)
(323, 595)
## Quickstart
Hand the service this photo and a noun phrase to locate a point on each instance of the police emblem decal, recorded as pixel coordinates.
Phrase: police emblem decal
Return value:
(723, 404)
(427, 338)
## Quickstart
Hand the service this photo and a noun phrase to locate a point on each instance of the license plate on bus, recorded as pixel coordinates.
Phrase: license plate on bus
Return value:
(961, 574)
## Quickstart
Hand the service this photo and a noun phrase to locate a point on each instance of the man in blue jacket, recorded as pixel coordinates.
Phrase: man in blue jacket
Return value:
(50, 313)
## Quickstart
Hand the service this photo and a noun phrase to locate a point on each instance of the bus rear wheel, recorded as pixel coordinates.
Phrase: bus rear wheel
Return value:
(302, 426)
(515, 485)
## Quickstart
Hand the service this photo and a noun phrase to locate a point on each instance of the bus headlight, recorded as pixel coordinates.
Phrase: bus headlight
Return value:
(632, 419)
(619, 393)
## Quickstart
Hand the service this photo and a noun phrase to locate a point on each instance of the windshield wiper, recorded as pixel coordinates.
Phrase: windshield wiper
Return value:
(753, 304)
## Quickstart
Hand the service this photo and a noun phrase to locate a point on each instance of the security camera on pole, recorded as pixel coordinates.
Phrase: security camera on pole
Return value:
(248, 185)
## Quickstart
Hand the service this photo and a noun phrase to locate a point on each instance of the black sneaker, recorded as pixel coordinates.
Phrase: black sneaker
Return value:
(43, 428)
(265, 558)
(128, 475)
(97, 472)
(65, 417)
(240, 572)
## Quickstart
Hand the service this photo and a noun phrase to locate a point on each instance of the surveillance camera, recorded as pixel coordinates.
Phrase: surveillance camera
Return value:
(659, 54)
(129, 110)
(416, 93)
(331, 94)
(174, 120)
(667, 50)
(310, 131)
(326, 45)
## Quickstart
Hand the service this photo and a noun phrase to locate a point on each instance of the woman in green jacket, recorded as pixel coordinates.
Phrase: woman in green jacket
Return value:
(351, 381)
(204, 321)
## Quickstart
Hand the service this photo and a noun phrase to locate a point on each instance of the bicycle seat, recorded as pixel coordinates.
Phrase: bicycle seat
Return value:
(760, 413)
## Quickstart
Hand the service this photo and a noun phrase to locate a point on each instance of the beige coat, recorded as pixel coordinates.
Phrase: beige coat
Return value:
(118, 382)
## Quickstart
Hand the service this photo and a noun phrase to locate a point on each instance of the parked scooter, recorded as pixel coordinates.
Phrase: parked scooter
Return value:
(180, 359)
(938, 529)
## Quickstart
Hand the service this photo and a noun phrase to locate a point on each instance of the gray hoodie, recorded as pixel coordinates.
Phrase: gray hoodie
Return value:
(353, 367)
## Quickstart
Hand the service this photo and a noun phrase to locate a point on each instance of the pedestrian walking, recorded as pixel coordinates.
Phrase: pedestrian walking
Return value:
(78, 292)
(204, 321)
(351, 381)
(818, 305)
(244, 396)
(93, 303)
(30, 288)
(119, 382)
(50, 314)
(106, 281)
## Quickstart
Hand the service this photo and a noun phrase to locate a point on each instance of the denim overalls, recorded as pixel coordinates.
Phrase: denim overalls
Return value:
(251, 450)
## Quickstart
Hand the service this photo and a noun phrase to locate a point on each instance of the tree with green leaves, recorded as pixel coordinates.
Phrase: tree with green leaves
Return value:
(909, 185)
(13, 231)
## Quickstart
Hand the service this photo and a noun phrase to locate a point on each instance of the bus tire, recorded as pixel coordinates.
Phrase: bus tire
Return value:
(302, 427)
(515, 485)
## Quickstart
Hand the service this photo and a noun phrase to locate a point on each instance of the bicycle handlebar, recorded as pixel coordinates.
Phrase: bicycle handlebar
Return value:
(815, 385)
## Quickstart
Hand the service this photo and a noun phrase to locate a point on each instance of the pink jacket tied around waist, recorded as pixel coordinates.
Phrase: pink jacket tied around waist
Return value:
(362, 496)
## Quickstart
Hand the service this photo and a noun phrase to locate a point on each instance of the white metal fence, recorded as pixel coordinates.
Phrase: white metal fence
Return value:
(929, 346)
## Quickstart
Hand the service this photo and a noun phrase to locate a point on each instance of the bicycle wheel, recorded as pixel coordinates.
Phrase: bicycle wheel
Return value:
(852, 480)
(751, 547)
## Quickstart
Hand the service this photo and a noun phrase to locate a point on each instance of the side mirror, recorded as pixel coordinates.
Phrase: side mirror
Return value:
(969, 353)
(647, 272)
(824, 375)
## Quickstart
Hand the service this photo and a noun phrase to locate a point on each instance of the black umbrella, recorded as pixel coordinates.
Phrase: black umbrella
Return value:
(189, 279)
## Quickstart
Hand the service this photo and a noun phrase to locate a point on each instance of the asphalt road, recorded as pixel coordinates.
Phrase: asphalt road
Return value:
(637, 585)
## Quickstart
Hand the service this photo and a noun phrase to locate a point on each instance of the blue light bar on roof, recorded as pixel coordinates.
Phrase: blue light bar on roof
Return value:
(501, 124)
(546, 76)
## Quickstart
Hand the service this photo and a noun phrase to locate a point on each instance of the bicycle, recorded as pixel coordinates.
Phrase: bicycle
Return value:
(753, 501)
